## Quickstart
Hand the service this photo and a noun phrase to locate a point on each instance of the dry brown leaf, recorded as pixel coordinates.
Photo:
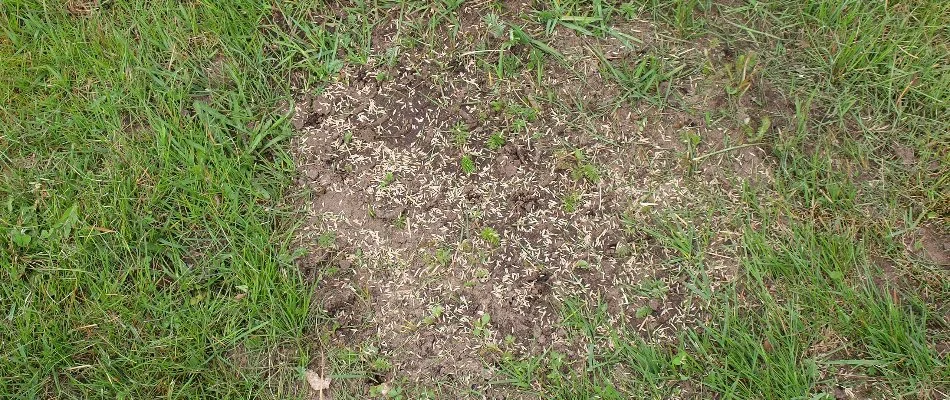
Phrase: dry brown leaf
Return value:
(317, 382)
(82, 7)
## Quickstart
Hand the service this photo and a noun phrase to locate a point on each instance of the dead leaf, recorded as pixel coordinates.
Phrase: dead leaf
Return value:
(317, 382)
(81, 7)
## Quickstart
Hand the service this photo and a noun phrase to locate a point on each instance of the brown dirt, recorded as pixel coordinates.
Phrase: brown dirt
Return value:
(935, 245)
(379, 158)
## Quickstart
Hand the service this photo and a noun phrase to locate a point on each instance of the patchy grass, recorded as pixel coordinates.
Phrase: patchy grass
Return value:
(771, 178)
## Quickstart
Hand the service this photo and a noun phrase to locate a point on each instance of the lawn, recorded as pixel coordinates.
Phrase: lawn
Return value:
(475, 199)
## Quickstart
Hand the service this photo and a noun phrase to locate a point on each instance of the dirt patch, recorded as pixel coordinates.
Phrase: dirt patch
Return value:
(905, 155)
(935, 245)
(453, 212)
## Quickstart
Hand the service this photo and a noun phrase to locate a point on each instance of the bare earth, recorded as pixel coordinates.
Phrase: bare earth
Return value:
(405, 258)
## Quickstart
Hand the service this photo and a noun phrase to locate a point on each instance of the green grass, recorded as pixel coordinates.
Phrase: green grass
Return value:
(142, 155)
(146, 249)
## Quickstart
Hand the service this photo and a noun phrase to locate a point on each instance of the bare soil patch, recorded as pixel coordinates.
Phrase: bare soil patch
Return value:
(452, 213)
(935, 245)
